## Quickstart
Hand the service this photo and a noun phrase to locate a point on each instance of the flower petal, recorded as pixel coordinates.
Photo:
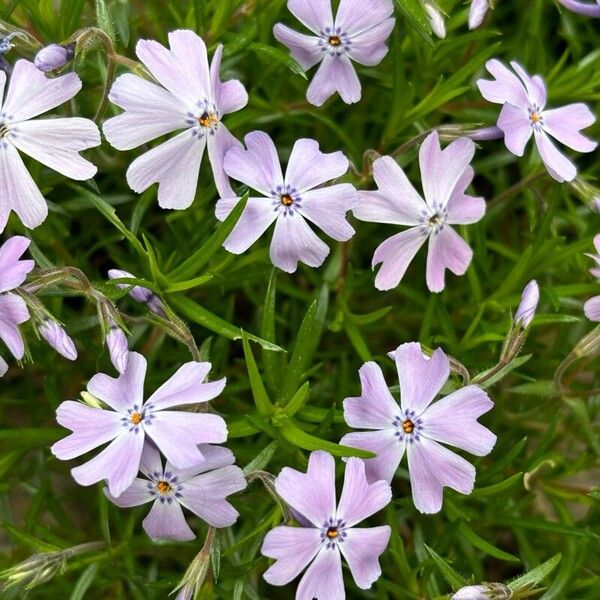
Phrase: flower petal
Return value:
(13, 270)
(186, 387)
(294, 241)
(190, 51)
(316, 15)
(375, 408)
(3, 363)
(91, 428)
(385, 444)
(506, 86)
(362, 549)
(352, 18)
(31, 93)
(166, 521)
(18, 191)
(219, 144)
(327, 207)
(253, 222)
(13, 312)
(312, 493)
(453, 420)
(118, 463)
(151, 462)
(304, 49)
(433, 467)
(592, 309)
(178, 433)
(558, 165)
(361, 499)
(462, 208)
(230, 96)
(323, 579)
(293, 548)
(335, 74)
(369, 48)
(565, 123)
(395, 254)
(536, 90)
(447, 250)
(308, 167)
(442, 169)
(124, 391)
(258, 166)
(516, 125)
(135, 495)
(174, 165)
(150, 111)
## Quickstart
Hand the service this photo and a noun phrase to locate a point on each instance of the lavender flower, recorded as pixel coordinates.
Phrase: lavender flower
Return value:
(435, 18)
(55, 143)
(524, 114)
(477, 12)
(176, 433)
(201, 489)
(190, 97)
(54, 57)
(58, 338)
(583, 8)
(358, 34)
(417, 425)
(445, 175)
(528, 305)
(118, 348)
(288, 201)
(592, 306)
(327, 532)
(13, 310)
(137, 292)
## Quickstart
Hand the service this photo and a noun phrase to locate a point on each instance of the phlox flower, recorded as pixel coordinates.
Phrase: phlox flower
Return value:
(288, 201)
(327, 531)
(176, 433)
(56, 336)
(358, 33)
(592, 306)
(118, 348)
(13, 310)
(202, 489)
(589, 9)
(528, 305)
(54, 142)
(445, 175)
(524, 114)
(190, 97)
(419, 426)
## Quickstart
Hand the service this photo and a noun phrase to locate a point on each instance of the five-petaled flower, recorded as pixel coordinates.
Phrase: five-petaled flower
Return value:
(289, 200)
(524, 114)
(445, 176)
(190, 97)
(13, 310)
(358, 33)
(202, 490)
(55, 143)
(416, 426)
(327, 531)
(175, 432)
(592, 306)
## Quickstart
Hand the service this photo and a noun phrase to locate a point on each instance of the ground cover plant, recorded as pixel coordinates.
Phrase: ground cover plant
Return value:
(299, 299)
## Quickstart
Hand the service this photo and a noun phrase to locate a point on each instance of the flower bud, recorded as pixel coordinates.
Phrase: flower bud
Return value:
(118, 348)
(436, 20)
(477, 12)
(3, 367)
(486, 591)
(54, 57)
(529, 301)
(58, 338)
(138, 293)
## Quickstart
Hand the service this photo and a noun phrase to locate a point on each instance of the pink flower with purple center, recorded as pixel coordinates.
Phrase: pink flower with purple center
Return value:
(592, 306)
(524, 114)
(202, 490)
(358, 33)
(288, 201)
(13, 310)
(419, 426)
(190, 97)
(328, 529)
(55, 142)
(445, 176)
(176, 433)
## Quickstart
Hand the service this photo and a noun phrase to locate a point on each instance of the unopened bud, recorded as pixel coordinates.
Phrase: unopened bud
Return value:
(529, 301)
(54, 57)
(477, 13)
(58, 338)
(486, 591)
(436, 19)
(118, 348)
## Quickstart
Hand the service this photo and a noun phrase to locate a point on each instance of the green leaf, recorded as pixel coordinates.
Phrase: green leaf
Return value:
(84, 582)
(413, 11)
(259, 393)
(277, 56)
(515, 363)
(535, 576)
(28, 540)
(455, 579)
(496, 488)
(189, 284)
(298, 437)
(297, 401)
(580, 410)
(200, 257)
(262, 459)
(271, 360)
(483, 545)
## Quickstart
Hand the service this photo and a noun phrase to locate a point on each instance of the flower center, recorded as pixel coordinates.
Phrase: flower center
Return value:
(408, 426)
(332, 533)
(287, 200)
(535, 117)
(164, 487)
(136, 417)
(335, 40)
(208, 119)
(435, 219)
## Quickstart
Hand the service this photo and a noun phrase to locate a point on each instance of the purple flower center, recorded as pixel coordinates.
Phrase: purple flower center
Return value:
(334, 41)
(203, 119)
(536, 117)
(208, 119)
(164, 486)
(137, 417)
(408, 426)
(433, 220)
(5, 129)
(333, 532)
(286, 200)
